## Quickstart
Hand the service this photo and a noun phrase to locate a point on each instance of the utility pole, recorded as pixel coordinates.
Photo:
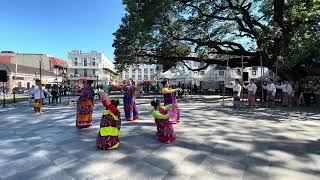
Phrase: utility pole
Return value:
(4, 95)
(40, 72)
(262, 72)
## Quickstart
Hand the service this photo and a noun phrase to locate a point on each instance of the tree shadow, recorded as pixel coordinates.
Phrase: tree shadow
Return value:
(209, 137)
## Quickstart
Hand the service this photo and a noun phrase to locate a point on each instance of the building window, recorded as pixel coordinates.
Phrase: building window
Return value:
(145, 71)
(93, 72)
(75, 71)
(76, 61)
(85, 73)
(145, 77)
(151, 71)
(85, 62)
(133, 77)
(93, 61)
(127, 76)
(139, 77)
(221, 73)
(254, 73)
(140, 70)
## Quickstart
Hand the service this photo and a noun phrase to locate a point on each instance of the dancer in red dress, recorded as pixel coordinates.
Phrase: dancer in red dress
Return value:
(108, 136)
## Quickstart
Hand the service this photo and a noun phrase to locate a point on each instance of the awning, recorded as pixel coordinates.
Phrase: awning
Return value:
(77, 84)
(148, 81)
(5, 59)
(84, 78)
(58, 62)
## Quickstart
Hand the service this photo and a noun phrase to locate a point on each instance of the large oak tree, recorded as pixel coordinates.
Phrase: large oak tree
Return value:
(212, 31)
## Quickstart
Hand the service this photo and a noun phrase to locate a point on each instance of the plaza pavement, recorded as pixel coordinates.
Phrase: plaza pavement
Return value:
(213, 142)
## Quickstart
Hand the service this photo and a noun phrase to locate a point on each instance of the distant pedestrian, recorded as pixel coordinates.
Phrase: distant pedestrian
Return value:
(236, 93)
(252, 89)
(36, 92)
(195, 88)
(271, 93)
(54, 94)
(286, 93)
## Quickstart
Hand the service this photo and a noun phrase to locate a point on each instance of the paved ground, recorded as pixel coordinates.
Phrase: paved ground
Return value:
(213, 142)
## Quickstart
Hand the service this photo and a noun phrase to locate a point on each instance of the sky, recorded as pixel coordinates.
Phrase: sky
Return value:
(55, 27)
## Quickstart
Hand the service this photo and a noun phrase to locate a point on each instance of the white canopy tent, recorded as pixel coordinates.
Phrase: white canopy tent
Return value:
(175, 76)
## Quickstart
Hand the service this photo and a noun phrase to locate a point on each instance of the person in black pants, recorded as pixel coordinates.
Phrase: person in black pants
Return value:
(54, 94)
(308, 93)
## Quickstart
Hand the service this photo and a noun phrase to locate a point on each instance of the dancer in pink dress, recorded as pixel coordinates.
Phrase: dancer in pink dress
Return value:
(165, 131)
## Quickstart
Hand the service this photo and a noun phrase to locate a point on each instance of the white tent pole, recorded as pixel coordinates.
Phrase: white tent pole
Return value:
(262, 73)
(225, 81)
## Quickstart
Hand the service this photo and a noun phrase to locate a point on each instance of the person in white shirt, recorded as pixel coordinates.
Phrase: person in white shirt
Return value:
(286, 93)
(271, 93)
(236, 93)
(252, 89)
(36, 91)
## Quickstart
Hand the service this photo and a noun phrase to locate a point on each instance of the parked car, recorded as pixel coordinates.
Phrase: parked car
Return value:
(20, 90)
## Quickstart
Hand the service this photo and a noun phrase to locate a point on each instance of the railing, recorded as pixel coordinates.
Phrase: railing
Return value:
(84, 67)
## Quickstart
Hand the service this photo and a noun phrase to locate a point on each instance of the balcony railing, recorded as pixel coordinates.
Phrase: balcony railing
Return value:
(84, 67)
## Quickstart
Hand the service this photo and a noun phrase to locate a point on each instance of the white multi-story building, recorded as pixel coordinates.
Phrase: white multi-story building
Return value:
(235, 73)
(89, 66)
(211, 77)
(140, 73)
(181, 74)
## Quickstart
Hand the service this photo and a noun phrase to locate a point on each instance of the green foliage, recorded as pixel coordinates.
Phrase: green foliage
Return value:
(169, 31)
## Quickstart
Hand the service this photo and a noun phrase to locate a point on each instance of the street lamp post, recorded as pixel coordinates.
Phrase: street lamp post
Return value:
(40, 73)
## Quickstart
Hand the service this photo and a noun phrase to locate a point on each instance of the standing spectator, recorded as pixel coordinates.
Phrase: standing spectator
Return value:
(54, 94)
(295, 92)
(316, 92)
(64, 90)
(31, 95)
(36, 91)
(307, 93)
(271, 93)
(60, 91)
(301, 100)
(195, 88)
(252, 89)
(236, 93)
(286, 93)
(313, 95)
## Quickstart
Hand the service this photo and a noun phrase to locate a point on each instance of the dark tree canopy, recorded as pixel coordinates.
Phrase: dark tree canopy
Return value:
(213, 31)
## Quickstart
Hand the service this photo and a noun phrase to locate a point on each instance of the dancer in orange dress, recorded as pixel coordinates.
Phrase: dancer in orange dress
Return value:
(85, 106)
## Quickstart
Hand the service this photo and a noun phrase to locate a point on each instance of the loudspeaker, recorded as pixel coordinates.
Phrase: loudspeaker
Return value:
(3, 76)
(245, 76)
